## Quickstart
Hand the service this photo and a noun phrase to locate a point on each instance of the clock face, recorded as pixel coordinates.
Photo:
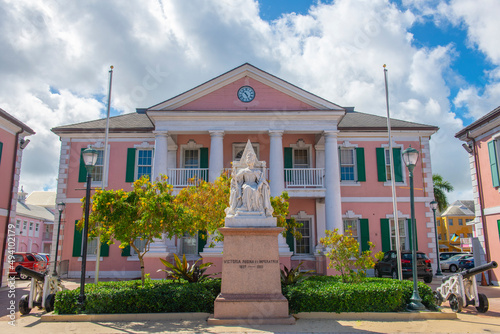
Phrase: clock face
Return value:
(246, 94)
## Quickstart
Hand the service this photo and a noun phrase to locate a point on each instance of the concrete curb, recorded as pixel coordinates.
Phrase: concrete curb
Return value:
(378, 316)
(51, 317)
(127, 317)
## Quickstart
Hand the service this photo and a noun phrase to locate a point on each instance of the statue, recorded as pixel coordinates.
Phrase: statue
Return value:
(250, 193)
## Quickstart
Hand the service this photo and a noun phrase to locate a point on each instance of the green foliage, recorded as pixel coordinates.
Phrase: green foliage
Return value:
(440, 187)
(330, 294)
(183, 270)
(156, 296)
(293, 275)
(345, 255)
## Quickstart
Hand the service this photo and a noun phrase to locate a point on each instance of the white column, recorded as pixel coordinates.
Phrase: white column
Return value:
(276, 166)
(333, 207)
(216, 161)
(320, 223)
(161, 150)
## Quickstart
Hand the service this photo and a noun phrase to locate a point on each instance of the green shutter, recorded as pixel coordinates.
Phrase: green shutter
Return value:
(290, 240)
(365, 234)
(498, 223)
(410, 234)
(1, 147)
(385, 233)
(82, 175)
(202, 240)
(130, 173)
(126, 251)
(360, 163)
(493, 163)
(382, 176)
(288, 161)
(398, 167)
(77, 241)
(204, 157)
(104, 249)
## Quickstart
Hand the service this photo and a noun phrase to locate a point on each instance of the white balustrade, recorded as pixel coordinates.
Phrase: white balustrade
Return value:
(304, 177)
(185, 177)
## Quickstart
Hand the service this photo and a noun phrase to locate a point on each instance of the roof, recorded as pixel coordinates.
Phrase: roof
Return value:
(460, 208)
(42, 198)
(358, 121)
(34, 211)
(16, 122)
(492, 115)
(132, 122)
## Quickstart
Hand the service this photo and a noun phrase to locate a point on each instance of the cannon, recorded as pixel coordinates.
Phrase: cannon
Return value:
(42, 290)
(460, 289)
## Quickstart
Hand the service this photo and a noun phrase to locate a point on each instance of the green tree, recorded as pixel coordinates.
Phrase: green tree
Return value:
(143, 214)
(440, 187)
(345, 255)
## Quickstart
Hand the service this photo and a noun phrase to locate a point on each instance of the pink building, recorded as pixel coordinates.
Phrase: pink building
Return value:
(482, 142)
(332, 160)
(34, 226)
(12, 142)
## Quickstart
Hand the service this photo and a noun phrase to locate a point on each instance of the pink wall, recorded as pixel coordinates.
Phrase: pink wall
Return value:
(9, 140)
(266, 98)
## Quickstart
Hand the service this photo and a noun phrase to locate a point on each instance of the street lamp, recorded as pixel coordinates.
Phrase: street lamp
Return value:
(60, 208)
(89, 156)
(410, 157)
(434, 206)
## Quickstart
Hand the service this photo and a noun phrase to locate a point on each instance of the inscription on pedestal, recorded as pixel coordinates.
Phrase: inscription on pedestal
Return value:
(250, 264)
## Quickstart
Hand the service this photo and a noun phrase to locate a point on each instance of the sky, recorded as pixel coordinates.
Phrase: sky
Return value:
(443, 61)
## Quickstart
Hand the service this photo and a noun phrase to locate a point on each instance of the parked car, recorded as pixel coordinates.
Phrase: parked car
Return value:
(46, 257)
(28, 260)
(388, 267)
(466, 263)
(452, 263)
(443, 256)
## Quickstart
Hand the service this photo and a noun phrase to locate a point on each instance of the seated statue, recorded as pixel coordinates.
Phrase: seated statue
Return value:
(250, 193)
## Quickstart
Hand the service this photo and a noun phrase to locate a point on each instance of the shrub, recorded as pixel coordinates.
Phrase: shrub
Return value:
(131, 297)
(183, 270)
(293, 275)
(330, 294)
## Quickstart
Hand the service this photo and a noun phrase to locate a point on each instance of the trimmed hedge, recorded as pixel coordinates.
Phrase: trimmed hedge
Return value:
(329, 294)
(130, 297)
(315, 294)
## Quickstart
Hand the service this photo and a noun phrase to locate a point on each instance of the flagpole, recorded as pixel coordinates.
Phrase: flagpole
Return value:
(393, 182)
(104, 171)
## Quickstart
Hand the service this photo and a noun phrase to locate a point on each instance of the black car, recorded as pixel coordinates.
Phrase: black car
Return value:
(387, 266)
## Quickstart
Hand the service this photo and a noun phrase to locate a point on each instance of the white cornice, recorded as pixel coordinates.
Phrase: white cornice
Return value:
(250, 71)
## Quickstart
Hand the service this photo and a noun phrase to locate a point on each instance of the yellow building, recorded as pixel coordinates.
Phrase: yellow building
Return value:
(454, 233)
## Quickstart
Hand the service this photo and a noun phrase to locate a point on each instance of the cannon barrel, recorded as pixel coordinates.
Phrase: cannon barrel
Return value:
(31, 273)
(479, 269)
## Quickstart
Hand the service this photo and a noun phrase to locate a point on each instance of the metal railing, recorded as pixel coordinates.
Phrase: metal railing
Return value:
(185, 177)
(304, 177)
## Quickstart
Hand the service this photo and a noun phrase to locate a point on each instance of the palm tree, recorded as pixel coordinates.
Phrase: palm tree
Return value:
(440, 186)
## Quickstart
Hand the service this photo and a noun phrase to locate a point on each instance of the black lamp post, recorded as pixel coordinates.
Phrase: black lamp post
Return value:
(410, 158)
(89, 156)
(434, 206)
(60, 208)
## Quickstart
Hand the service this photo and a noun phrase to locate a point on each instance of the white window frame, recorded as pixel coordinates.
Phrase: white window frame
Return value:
(136, 173)
(240, 147)
(403, 167)
(405, 218)
(354, 164)
(301, 145)
(190, 146)
(180, 249)
(37, 230)
(18, 226)
(99, 146)
(302, 215)
(25, 227)
(31, 225)
(350, 215)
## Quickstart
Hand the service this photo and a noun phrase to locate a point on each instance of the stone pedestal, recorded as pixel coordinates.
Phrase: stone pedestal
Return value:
(251, 288)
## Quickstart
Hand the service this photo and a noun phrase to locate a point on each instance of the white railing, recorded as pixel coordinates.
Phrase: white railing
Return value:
(304, 177)
(185, 177)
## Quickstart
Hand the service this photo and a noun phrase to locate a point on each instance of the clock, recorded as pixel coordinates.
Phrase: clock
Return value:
(246, 94)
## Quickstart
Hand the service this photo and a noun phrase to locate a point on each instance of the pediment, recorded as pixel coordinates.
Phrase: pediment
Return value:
(220, 94)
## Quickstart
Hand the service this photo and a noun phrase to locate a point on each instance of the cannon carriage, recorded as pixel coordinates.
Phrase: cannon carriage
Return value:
(460, 289)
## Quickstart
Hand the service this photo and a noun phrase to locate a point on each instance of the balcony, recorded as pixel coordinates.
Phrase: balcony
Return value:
(47, 236)
(295, 178)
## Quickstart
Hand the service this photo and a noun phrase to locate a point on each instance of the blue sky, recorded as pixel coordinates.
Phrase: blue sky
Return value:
(443, 60)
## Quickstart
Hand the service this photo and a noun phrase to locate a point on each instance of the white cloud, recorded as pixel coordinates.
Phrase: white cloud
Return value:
(162, 48)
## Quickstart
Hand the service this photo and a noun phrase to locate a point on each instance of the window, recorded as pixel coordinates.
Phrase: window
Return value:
(444, 236)
(469, 235)
(384, 167)
(303, 246)
(25, 227)
(31, 229)
(191, 159)
(18, 226)
(438, 223)
(91, 246)
(347, 164)
(387, 164)
(439, 236)
(301, 158)
(461, 235)
(140, 244)
(450, 221)
(97, 171)
(238, 149)
(460, 221)
(352, 225)
(189, 244)
(37, 227)
(144, 163)
(402, 234)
